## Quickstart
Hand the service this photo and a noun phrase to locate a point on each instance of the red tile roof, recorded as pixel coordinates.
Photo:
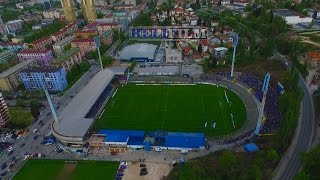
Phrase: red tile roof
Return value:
(84, 32)
(313, 54)
(205, 54)
(41, 40)
(91, 25)
(186, 49)
(27, 51)
(84, 40)
(196, 56)
(204, 42)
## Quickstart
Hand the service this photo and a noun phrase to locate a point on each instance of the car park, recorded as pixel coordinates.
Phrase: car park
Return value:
(22, 145)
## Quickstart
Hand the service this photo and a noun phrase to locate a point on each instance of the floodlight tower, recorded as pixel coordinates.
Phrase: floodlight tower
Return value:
(261, 110)
(53, 111)
(235, 39)
(97, 42)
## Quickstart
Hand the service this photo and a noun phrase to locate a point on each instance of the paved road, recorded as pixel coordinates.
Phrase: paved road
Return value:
(290, 163)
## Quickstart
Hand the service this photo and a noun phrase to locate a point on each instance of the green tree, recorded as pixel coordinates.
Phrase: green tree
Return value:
(20, 102)
(272, 155)
(67, 47)
(34, 103)
(106, 60)
(19, 118)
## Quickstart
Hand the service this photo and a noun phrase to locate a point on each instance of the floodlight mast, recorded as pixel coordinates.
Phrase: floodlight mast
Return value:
(235, 44)
(261, 109)
(53, 111)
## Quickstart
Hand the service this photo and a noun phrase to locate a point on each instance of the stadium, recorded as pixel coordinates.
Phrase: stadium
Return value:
(118, 114)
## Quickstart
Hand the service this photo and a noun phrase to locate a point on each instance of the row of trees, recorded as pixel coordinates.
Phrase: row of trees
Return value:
(52, 28)
(290, 108)
(76, 72)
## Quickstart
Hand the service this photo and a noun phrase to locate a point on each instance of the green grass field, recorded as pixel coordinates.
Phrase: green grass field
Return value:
(55, 169)
(173, 108)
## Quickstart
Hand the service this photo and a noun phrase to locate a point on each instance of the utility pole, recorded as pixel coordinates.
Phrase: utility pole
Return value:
(235, 43)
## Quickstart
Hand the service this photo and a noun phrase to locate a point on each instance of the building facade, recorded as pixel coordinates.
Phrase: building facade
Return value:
(58, 48)
(11, 27)
(68, 59)
(54, 78)
(173, 56)
(10, 79)
(291, 17)
(42, 57)
(85, 45)
(13, 46)
(4, 112)
(5, 55)
(68, 9)
(89, 10)
(42, 43)
(51, 14)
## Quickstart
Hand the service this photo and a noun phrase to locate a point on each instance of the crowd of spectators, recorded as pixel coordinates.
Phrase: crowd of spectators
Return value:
(236, 139)
(97, 105)
(271, 110)
(315, 78)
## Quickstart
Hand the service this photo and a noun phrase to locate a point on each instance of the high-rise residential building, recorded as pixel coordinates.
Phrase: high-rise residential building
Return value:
(68, 9)
(54, 78)
(89, 10)
(9, 79)
(42, 56)
(4, 113)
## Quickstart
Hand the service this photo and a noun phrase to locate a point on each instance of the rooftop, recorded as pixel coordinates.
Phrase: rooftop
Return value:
(84, 40)
(65, 56)
(40, 69)
(15, 68)
(72, 121)
(313, 54)
(118, 70)
(64, 40)
(138, 50)
(27, 51)
(287, 13)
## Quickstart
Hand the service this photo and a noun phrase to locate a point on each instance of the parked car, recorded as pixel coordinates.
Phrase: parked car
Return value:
(120, 170)
(4, 173)
(143, 169)
(3, 166)
(22, 145)
(142, 173)
(35, 137)
(40, 122)
(34, 131)
(119, 174)
(143, 165)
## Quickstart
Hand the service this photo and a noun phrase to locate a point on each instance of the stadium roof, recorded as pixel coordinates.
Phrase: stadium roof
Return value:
(138, 50)
(72, 121)
(117, 138)
(118, 70)
(184, 140)
(135, 133)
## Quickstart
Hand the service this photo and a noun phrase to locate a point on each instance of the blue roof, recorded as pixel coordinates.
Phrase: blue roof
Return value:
(251, 147)
(116, 138)
(134, 133)
(135, 141)
(184, 140)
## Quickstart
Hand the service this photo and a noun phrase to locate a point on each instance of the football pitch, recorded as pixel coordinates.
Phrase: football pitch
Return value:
(57, 169)
(177, 108)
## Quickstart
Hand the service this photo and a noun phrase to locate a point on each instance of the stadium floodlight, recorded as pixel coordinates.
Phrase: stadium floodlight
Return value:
(98, 44)
(235, 40)
(53, 111)
(264, 97)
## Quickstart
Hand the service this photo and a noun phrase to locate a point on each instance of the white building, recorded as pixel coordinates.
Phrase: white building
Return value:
(51, 14)
(173, 56)
(292, 17)
(220, 52)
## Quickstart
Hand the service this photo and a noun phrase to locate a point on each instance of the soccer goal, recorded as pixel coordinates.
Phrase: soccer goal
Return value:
(70, 162)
